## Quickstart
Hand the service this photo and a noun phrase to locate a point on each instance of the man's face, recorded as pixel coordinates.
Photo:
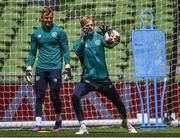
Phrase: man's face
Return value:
(90, 25)
(47, 19)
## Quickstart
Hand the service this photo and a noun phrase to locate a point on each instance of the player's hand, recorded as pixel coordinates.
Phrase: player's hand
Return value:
(85, 36)
(67, 72)
(103, 29)
(88, 33)
(29, 74)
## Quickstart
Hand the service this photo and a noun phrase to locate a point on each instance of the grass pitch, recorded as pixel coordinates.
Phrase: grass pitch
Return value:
(93, 132)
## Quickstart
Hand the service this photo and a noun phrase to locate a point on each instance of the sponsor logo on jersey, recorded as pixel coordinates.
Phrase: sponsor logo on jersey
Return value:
(97, 42)
(54, 34)
(39, 36)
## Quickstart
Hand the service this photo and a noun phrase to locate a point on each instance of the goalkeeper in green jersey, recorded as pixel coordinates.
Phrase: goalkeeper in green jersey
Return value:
(51, 43)
(90, 50)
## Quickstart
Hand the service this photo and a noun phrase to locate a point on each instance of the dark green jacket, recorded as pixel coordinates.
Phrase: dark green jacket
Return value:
(92, 57)
(52, 45)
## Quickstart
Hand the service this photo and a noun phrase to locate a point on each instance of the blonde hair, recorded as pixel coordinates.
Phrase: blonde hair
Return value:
(85, 20)
(47, 10)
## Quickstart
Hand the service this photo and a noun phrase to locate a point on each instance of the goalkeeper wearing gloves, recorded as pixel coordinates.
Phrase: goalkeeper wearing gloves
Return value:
(52, 44)
(90, 50)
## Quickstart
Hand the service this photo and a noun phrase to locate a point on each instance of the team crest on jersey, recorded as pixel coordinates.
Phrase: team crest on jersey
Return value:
(54, 34)
(97, 42)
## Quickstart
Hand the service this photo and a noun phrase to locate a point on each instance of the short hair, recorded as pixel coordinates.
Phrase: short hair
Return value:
(47, 10)
(85, 20)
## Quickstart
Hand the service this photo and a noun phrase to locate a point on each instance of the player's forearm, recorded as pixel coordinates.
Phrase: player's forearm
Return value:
(32, 55)
(66, 54)
(31, 60)
(67, 58)
(32, 52)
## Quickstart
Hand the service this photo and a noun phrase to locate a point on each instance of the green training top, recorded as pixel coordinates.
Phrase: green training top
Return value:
(52, 44)
(92, 57)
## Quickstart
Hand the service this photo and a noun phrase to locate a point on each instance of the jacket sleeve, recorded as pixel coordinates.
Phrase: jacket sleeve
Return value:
(33, 50)
(105, 44)
(79, 47)
(65, 46)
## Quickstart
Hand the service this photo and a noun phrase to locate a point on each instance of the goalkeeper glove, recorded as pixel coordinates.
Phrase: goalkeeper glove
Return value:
(88, 33)
(67, 72)
(103, 29)
(29, 74)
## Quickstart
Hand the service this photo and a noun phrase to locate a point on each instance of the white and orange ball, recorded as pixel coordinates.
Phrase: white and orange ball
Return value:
(112, 37)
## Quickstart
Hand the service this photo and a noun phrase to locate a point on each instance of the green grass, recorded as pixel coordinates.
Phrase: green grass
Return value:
(94, 132)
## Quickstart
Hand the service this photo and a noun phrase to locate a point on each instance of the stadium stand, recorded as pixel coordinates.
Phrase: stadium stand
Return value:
(18, 23)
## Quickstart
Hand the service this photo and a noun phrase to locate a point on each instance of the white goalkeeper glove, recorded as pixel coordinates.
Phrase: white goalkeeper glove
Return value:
(29, 74)
(67, 72)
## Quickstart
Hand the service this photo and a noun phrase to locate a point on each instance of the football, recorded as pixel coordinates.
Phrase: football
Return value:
(112, 37)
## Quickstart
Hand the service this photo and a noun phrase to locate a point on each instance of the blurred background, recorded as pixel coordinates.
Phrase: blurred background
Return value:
(19, 18)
